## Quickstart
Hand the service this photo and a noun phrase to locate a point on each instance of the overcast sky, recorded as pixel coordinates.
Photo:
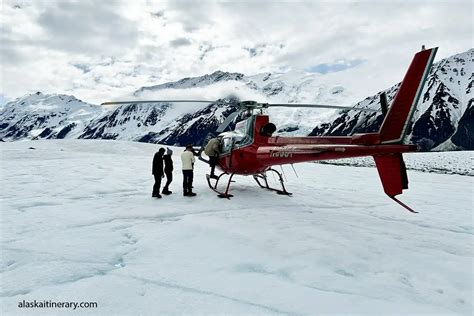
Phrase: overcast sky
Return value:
(98, 50)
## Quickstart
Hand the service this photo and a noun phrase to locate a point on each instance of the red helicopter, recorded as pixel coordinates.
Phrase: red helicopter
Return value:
(251, 149)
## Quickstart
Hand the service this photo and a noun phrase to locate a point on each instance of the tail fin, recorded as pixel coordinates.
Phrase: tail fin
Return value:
(393, 174)
(395, 124)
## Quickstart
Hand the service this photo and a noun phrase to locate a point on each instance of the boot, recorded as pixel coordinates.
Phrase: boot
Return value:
(213, 176)
(191, 194)
(158, 195)
(166, 191)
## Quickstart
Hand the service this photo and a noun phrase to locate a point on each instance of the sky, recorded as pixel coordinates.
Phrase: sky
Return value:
(100, 50)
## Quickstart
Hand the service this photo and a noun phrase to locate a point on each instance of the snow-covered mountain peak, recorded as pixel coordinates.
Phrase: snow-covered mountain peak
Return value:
(292, 86)
(45, 116)
(193, 82)
(48, 102)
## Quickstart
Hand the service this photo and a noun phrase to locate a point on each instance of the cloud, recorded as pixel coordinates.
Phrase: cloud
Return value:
(193, 15)
(158, 14)
(180, 42)
(260, 49)
(84, 67)
(256, 50)
(86, 27)
(3, 100)
(206, 48)
(97, 50)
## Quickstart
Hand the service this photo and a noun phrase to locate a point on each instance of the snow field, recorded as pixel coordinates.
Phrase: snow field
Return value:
(78, 224)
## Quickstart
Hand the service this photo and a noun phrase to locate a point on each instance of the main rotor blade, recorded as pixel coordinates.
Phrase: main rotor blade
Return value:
(157, 101)
(227, 121)
(306, 105)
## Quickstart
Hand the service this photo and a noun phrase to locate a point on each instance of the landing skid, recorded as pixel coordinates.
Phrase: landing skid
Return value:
(259, 178)
(403, 204)
(214, 187)
(263, 177)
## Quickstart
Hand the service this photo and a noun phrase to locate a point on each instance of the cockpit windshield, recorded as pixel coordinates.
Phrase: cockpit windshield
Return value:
(241, 136)
(241, 127)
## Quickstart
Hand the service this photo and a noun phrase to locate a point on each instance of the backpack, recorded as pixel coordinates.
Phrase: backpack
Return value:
(209, 150)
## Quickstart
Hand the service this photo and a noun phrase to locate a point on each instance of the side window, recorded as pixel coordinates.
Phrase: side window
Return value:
(226, 144)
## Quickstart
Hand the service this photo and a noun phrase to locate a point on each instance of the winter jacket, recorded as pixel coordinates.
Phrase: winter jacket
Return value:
(212, 148)
(157, 167)
(168, 162)
(187, 160)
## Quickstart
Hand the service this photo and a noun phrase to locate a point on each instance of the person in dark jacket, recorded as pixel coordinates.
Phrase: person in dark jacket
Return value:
(157, 171)
(167, 159)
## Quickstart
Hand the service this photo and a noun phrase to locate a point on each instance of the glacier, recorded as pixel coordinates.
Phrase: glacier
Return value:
(78, 223)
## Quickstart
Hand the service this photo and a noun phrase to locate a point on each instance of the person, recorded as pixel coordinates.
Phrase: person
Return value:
(187, 161)
(167, 159)
(157, 171)
(212, 150)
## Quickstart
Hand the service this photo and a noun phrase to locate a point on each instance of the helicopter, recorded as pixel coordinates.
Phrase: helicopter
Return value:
(252, 149)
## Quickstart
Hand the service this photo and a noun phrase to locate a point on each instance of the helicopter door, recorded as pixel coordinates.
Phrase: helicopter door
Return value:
(227, 146)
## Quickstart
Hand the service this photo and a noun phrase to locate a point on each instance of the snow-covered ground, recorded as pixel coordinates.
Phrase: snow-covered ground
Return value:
(454, 162)
(78, 224)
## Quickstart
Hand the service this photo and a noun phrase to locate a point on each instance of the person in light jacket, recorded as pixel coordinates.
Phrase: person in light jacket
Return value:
(187, 161)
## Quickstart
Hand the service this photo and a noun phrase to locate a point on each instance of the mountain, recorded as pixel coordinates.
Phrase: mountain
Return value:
(193, 127)
(443, 119)
(38, 115)
(186, 83)
(167, 123)
(182, 123)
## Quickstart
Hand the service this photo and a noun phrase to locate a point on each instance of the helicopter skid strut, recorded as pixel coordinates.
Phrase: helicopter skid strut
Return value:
(263, 176)
(214, 187)
(258, 178)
